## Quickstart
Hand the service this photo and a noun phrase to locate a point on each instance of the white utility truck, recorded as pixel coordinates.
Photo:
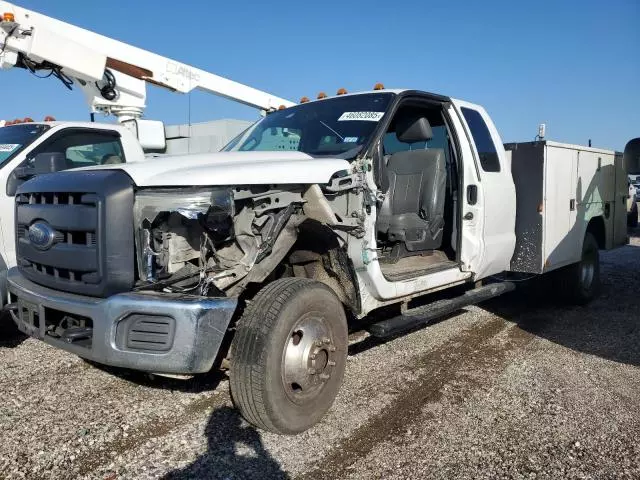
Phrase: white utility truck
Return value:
(321, 213)
(113, 77)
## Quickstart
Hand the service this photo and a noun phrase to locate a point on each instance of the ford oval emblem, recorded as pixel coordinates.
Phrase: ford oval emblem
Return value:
(41, 235)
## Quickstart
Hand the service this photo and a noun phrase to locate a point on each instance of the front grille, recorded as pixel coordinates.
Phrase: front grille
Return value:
(88, 216)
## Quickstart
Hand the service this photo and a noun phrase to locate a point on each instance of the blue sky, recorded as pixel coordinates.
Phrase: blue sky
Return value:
(574, 65)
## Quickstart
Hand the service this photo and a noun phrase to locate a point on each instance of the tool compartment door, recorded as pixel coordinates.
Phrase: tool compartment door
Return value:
(562, 242)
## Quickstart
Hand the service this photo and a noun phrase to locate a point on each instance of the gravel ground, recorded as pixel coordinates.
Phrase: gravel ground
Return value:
(519, 388)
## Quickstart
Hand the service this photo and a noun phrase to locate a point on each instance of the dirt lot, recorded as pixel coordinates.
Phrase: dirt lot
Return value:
(519, 388)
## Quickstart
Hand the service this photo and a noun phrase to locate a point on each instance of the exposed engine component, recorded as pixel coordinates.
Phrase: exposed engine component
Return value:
(212, 239)
(176, 241)
(173, 228)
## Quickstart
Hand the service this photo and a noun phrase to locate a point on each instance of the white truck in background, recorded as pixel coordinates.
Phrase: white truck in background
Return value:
(34, 148)
(113, 77)
(318, 214)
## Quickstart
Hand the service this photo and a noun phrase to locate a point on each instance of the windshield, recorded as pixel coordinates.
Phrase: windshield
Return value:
(338, 126)
(16, 137)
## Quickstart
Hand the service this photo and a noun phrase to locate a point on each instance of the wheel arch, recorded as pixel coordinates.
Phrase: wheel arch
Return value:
(598, 229)
(319, 254)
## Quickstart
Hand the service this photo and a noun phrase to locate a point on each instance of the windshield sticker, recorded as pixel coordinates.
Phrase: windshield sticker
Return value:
(364, 116)
(8, 147)
(350, 140)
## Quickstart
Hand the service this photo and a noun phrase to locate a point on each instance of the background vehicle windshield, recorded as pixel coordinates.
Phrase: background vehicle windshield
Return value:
(335, 126)
(16, 137)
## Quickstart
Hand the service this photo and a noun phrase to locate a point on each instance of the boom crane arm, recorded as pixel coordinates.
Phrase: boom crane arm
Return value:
(112, 74)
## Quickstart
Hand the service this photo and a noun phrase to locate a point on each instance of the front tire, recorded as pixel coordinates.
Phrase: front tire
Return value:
(288, 355)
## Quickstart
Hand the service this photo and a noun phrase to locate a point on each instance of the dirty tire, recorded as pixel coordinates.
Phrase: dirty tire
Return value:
(580, 283)
(292, 327)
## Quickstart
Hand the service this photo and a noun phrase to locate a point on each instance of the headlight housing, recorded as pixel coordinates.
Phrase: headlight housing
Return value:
(211, 210)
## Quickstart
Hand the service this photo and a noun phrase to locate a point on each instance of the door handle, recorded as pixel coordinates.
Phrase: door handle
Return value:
(468, 216)
(472, 194)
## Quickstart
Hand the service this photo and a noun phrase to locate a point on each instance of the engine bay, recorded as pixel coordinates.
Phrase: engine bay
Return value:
(207, 242)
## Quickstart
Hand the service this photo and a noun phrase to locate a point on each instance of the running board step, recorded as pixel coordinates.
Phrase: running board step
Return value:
(421, 315)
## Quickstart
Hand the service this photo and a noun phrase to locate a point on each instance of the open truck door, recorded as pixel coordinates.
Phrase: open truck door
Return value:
(488, 207)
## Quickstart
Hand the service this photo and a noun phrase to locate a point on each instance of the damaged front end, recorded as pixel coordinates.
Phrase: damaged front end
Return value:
(214, 241)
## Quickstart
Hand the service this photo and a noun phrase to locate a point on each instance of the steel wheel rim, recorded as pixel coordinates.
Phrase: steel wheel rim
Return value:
(308, 358)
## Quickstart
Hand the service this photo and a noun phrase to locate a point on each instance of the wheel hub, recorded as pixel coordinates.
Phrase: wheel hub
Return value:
(308, 359)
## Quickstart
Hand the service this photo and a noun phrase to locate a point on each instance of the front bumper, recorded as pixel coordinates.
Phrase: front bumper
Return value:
(162, 333)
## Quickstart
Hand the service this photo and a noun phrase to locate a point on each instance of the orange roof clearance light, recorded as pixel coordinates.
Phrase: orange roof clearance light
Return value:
(281, 107)
(378, 86)
(8, 17)
(49, 118)
(342, 91)
(321, 95)
(17, 121)
(304, 100)
(27, 120)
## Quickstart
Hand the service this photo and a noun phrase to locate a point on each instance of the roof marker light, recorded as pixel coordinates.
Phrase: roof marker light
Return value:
(322, 95)
(8, 17)
(49, 118)
(378, 86)
(304, 99)
(342, 91)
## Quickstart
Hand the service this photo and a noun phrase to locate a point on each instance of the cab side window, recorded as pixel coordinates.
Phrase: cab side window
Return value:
(81, 148)
(85, 149)
(489, 160)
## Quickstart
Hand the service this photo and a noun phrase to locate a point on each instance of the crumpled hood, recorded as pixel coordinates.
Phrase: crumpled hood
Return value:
(231, 168)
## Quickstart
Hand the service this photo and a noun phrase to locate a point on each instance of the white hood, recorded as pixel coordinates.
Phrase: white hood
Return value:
(231, 168)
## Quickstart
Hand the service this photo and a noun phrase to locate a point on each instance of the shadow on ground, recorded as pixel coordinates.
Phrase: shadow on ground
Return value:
(10, 336)
(203, 382)
(608, 327)
(235, 450)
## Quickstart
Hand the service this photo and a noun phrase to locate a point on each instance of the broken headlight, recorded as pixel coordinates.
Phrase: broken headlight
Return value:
(173, 225)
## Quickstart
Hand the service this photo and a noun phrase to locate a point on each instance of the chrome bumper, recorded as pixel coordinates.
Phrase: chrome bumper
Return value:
(163, 333)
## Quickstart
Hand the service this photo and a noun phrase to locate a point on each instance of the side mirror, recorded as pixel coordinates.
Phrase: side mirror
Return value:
(150, 134)
(24, 173)
(42, 163)
(49, 163)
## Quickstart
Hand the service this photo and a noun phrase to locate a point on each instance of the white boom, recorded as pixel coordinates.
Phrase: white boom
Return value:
(112, 74)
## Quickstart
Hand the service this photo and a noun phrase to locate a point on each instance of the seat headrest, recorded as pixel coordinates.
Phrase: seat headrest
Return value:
(413, 130)
(111, 159)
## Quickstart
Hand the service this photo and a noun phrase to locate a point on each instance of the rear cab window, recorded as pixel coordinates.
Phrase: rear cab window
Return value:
(487, 152)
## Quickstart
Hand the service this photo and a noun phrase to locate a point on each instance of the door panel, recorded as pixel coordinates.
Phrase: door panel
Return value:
(562, 203)
(471, 242)
(492, 227)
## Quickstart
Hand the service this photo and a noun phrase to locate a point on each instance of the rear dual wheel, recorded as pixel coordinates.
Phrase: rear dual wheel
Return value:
(288, 355)
(580, 283)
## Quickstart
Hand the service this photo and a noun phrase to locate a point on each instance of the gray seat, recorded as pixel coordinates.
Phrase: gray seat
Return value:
(111, 160)
(413, 209)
